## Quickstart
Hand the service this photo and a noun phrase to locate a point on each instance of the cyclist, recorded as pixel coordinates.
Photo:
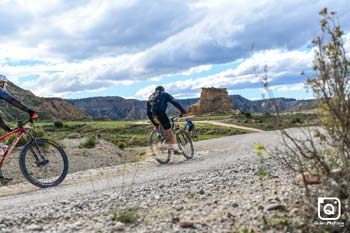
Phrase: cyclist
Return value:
(156, 108)
(190, 126)
(18, 104)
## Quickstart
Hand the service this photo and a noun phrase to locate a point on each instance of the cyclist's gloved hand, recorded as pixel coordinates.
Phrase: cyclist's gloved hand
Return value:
(33, 114)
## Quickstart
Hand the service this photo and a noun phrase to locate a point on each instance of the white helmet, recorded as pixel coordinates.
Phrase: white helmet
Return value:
(3, 78)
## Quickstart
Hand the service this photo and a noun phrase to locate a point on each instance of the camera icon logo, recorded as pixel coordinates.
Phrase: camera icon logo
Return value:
(329, 208)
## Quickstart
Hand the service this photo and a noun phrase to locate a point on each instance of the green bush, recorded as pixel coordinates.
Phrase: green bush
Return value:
(38, 132)
(129, 215)
(296, 121)
(142, 153)
(89, 143)
(121, 145)
(247, 114)
(58, 124)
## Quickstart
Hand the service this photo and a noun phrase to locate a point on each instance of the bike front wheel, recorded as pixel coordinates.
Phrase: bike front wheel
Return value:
(185, 143)
(43, 163)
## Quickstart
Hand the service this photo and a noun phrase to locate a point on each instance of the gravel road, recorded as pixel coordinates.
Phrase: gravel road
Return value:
(217, 191)
(230, 125)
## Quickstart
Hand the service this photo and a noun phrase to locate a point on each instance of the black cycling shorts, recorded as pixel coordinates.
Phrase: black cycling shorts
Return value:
(163, 120)
(191, 128)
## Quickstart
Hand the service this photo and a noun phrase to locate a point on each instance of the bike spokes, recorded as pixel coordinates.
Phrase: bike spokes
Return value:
(44, 163)
(185, 143)
(159, 148)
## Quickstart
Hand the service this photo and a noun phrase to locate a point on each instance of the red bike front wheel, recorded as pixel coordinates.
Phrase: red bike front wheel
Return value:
(43, 163)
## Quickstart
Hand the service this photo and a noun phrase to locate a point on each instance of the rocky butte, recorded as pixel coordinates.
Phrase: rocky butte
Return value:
(212, 100)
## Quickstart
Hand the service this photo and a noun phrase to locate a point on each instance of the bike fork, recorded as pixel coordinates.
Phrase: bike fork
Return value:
(40, 159)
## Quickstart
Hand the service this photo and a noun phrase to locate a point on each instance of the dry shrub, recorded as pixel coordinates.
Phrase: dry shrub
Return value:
(324, 151)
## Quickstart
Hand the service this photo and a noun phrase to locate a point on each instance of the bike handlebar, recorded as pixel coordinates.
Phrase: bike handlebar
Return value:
(178, 116)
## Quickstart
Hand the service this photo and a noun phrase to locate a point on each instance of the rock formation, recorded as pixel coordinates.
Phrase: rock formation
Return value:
(212, 100)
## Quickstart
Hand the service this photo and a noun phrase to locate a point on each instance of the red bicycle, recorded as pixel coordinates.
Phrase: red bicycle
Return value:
(42, 161)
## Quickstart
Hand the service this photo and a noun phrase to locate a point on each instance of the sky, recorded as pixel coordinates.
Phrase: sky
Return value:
(86, 48)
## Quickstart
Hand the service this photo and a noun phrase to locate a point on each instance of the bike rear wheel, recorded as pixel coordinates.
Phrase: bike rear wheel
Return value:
(43, 163)
(159, 148)
(185, 143)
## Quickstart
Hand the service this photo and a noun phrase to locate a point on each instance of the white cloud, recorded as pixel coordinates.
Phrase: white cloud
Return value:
(282, 66)
(197, 69)
(285, 88)
(95, 44)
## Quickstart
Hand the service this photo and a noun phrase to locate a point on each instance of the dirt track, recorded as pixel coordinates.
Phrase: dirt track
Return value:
(230, 125)
(232, 155)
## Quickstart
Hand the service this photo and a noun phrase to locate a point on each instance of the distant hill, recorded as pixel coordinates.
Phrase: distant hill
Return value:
(118, 108)
(115, 108)
(268, 105)
(48, 108)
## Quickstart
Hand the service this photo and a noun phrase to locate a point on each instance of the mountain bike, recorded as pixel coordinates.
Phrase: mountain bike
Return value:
(42, 161)
(160, 144)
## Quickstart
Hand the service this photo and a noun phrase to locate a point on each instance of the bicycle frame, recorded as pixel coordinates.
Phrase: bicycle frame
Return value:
(20, 132)
(174, 122)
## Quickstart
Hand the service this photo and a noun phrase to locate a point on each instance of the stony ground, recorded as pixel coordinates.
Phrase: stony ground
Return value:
(104, 154)
(218, 191)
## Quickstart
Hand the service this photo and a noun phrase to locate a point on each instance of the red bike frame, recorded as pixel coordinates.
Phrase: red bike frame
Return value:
(20, 132)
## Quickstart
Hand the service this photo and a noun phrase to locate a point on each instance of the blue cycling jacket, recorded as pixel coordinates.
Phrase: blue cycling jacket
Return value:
(13, 101)
(162, 105)
(5, 95)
